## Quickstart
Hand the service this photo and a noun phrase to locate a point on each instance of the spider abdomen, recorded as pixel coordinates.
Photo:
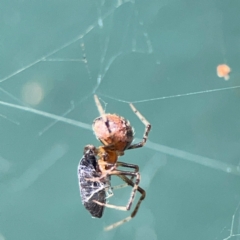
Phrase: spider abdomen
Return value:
(113, 131)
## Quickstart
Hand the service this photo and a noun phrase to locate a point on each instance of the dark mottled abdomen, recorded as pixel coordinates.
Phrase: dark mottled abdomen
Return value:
(90, 190)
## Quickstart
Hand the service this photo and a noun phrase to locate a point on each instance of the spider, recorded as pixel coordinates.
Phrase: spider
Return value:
(116, 135)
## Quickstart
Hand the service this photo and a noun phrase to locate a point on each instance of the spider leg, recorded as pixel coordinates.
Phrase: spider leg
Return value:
(103, 175)
(122, 164)
(110, 192)
(119, 186)
(133, 175)
(133, 214)
(121, 208)
(122, 185)
(128, 165)
(123, 175)
(135, 187)
(146, 132)
(100, 108)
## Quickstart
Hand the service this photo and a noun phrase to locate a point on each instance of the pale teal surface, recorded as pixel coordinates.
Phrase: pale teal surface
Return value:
(55, 54)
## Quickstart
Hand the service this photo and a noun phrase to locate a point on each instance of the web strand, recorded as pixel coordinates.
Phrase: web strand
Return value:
(172, 96)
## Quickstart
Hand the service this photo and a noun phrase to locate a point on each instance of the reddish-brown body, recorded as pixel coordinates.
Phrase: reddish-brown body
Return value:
(116, 134)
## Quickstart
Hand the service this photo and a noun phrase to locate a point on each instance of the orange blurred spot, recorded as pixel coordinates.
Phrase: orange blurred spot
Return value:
(223, 70)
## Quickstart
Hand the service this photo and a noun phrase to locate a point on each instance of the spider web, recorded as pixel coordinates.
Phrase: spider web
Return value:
(55, 56)
(233, 231)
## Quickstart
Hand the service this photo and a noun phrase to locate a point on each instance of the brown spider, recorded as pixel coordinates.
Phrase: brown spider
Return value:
(116, 135)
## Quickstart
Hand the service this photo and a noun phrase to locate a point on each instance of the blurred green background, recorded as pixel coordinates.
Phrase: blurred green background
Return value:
(55, 54)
